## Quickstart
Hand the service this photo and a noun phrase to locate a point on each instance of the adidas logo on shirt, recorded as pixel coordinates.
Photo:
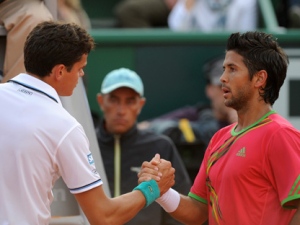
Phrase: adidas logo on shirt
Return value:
(242, 152)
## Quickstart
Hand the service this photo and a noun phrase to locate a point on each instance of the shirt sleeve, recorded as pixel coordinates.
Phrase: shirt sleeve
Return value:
(283, 165)
(75, 162)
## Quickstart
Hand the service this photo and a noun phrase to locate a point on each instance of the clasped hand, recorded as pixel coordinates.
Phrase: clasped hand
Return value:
(159, 170)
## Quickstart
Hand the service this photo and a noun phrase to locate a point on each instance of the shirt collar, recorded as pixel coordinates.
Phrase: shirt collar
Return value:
(37, 84)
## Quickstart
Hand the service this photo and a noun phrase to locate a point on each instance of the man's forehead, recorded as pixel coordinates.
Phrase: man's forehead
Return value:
(233, 59)
(123, 92)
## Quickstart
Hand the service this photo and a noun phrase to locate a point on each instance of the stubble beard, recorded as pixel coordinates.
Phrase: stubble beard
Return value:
(239, 100)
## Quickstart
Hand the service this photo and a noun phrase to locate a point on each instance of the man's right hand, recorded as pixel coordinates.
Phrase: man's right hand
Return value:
(160, 170)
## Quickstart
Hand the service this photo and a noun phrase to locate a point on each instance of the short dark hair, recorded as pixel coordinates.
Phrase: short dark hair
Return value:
(51, 43)
(260, 51)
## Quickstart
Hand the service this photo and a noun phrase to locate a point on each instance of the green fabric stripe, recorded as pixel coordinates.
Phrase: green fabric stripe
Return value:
(293, 195)
(233, 133)
(196, 197)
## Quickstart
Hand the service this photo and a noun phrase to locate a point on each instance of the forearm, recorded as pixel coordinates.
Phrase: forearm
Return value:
(100, 209)
(296, 218)
(125, 207)
(183, 208)
(190, 211)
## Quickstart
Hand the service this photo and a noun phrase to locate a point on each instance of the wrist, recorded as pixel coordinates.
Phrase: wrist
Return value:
(169, 201)
(150, 190)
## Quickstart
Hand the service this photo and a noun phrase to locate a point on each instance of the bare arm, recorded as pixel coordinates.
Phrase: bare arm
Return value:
(190, 211)
(296, 218)
(102, 210)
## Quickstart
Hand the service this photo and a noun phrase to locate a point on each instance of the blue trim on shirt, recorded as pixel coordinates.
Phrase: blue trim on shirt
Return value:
(34, 89)
(83, 187)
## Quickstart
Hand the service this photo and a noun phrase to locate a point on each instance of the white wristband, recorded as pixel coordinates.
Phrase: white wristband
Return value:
(169, 201)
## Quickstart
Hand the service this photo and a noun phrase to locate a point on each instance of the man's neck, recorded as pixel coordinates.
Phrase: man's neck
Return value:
(248, 117)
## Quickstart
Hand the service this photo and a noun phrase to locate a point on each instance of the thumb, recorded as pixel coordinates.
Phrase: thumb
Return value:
(156, 159)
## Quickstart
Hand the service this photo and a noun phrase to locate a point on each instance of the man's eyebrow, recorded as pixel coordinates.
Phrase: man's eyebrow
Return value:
(111, 95)
(231, 64)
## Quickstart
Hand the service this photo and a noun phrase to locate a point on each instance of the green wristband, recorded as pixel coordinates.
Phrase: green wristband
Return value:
(150, 190)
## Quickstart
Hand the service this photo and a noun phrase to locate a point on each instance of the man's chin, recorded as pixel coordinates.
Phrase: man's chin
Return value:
(120, 131)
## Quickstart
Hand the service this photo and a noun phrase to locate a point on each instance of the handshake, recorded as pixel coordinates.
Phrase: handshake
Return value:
(155, 181)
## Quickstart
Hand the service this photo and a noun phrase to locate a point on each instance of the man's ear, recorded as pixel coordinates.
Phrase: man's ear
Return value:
(261, 79)
(100, 100)
(142, 103)
(58, 71)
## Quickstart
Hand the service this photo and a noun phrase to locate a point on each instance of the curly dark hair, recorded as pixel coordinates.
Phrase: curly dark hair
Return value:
(260, 51)
(51, 43)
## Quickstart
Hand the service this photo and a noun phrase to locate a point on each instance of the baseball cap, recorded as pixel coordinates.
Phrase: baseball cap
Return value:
(122, 77)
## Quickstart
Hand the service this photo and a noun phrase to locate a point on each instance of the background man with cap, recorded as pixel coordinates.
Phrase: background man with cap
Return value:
(124, 147)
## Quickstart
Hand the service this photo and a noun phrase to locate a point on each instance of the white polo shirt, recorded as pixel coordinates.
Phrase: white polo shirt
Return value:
(39, 142)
